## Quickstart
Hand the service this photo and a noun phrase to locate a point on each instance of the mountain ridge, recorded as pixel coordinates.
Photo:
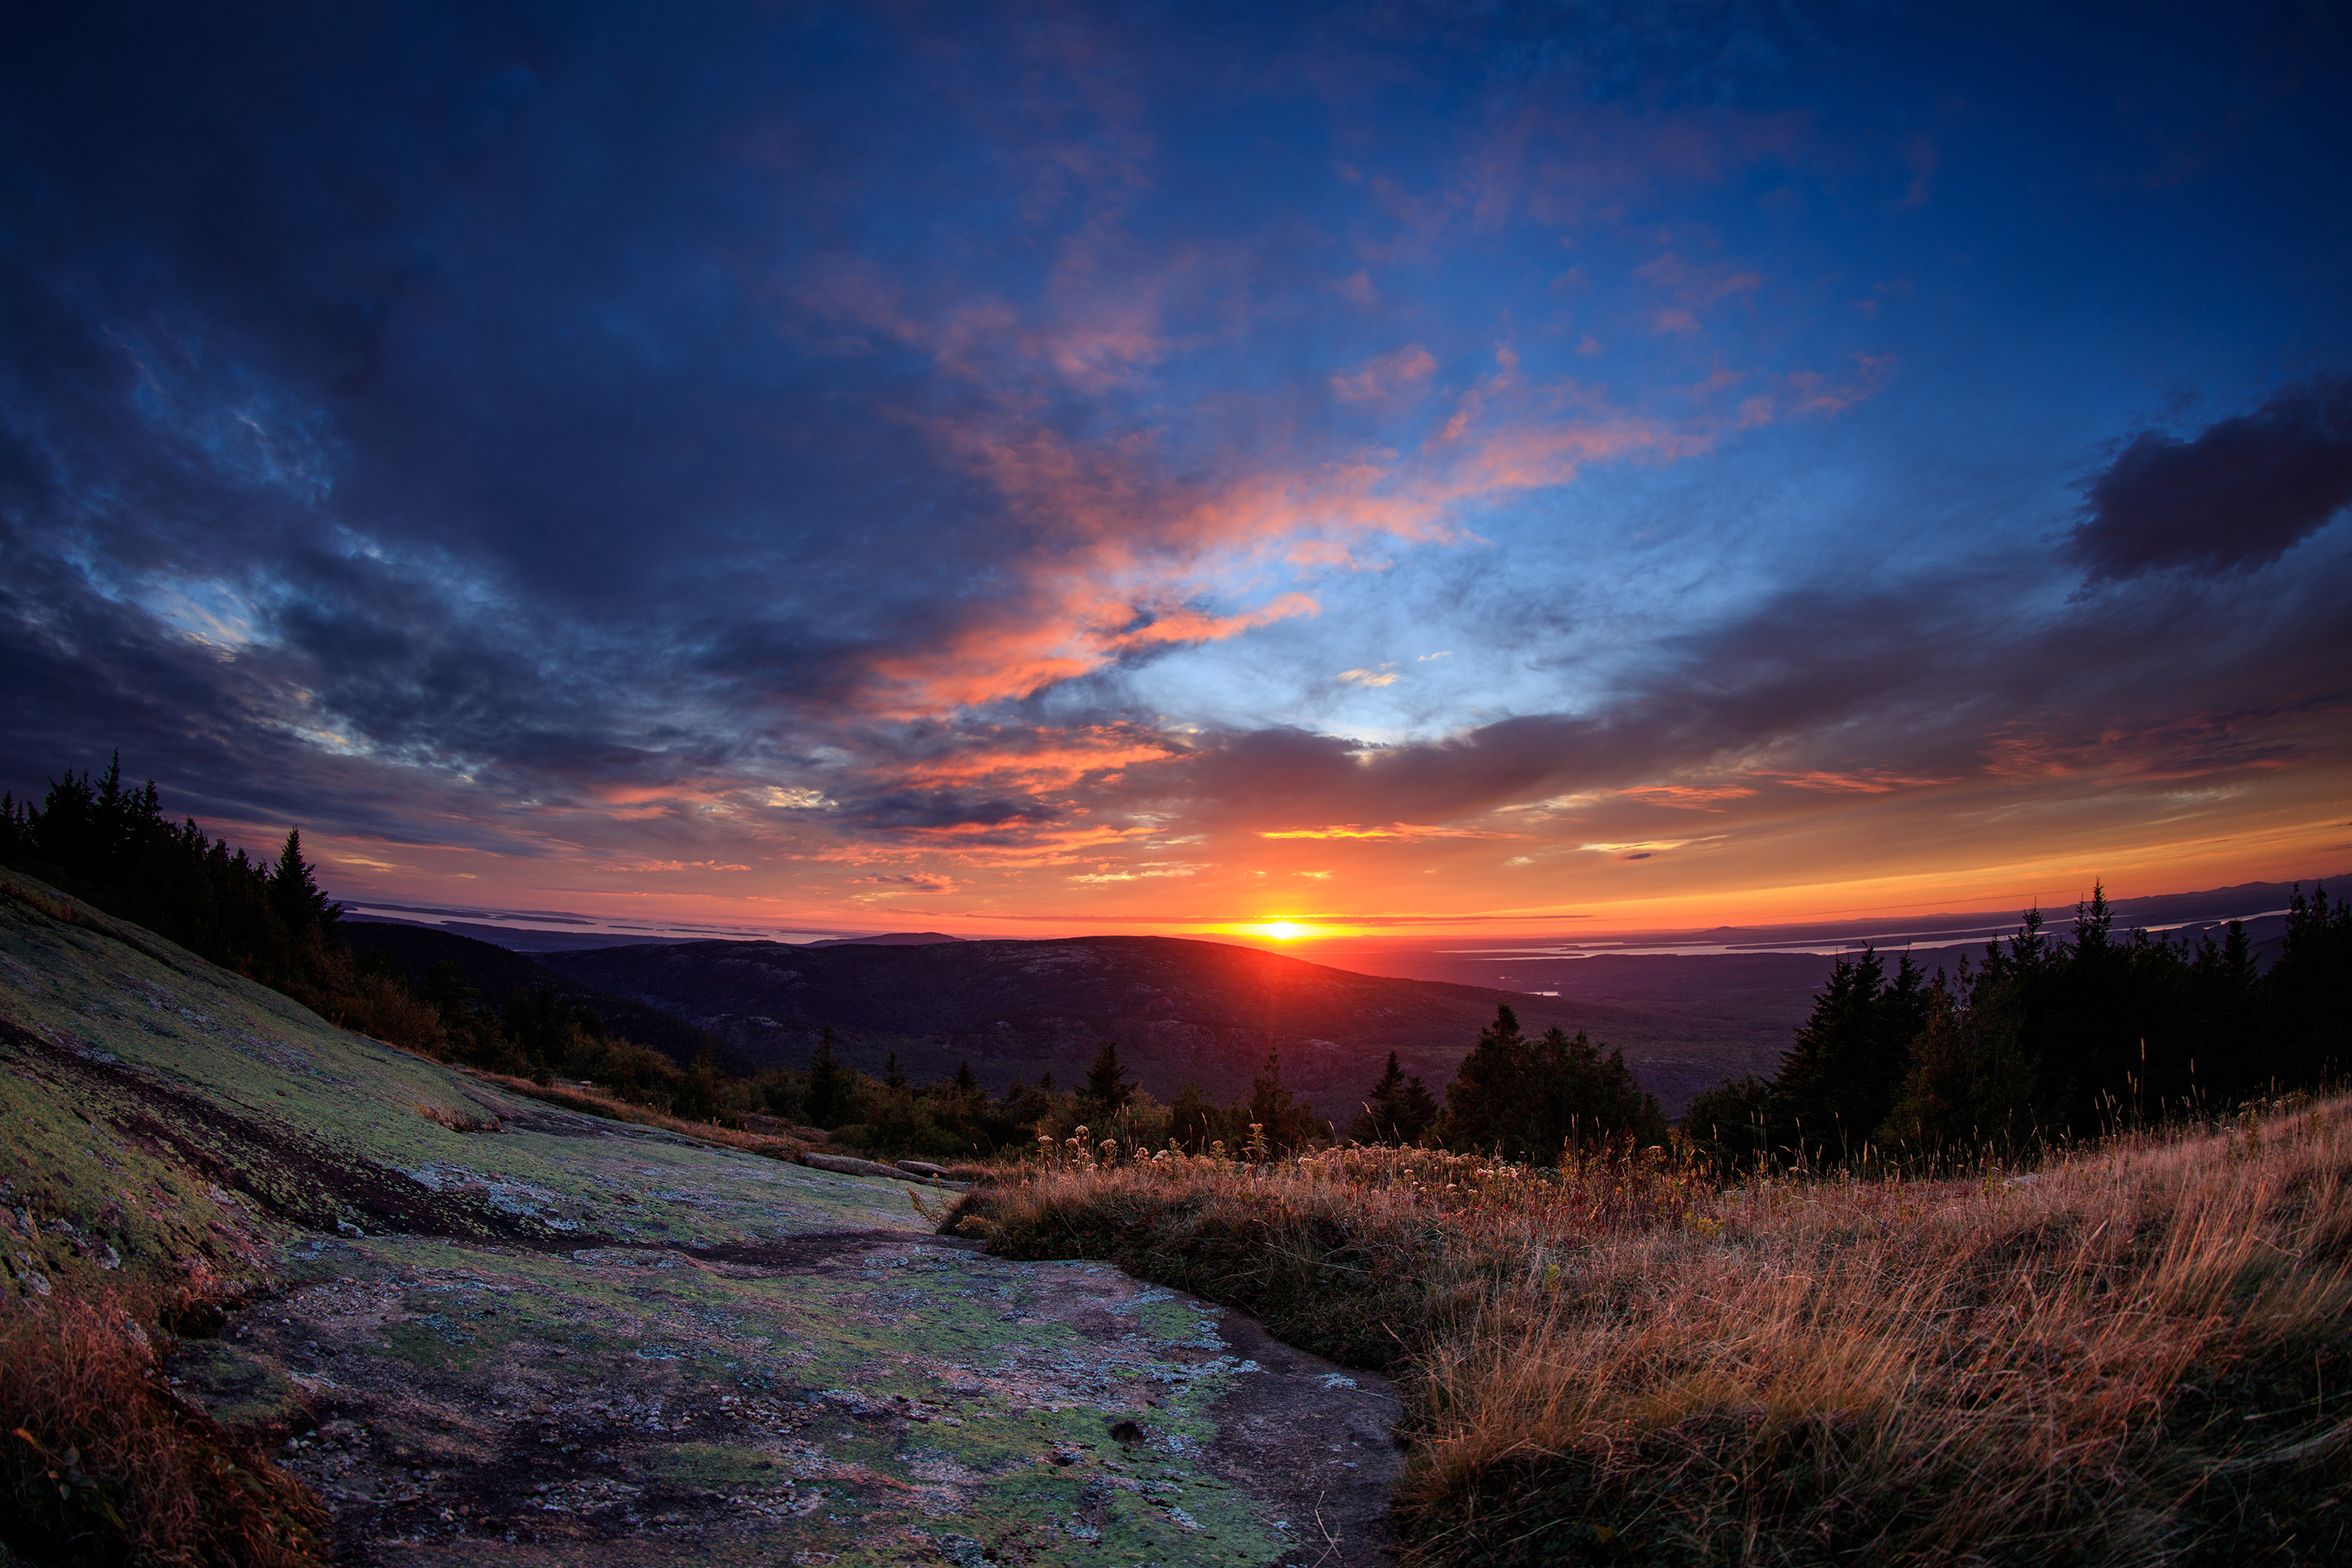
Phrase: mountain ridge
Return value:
(1181, 1011)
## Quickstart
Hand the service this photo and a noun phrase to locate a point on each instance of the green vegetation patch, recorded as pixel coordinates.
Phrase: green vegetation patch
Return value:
(240, 1391)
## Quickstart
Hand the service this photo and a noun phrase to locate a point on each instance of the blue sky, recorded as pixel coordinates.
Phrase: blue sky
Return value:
(1178, 466)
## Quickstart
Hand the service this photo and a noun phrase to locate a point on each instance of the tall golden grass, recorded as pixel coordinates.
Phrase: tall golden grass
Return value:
(100, 1463)
(2130, 1354)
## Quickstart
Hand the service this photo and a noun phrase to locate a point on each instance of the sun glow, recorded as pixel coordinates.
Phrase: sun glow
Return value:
(1284, 931)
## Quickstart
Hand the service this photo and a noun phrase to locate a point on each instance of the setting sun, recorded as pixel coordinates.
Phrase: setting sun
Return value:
(1285, 931)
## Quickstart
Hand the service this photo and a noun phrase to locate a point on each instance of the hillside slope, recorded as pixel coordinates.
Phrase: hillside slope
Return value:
(1182, 1011)
(498, 973)
(495, 1330)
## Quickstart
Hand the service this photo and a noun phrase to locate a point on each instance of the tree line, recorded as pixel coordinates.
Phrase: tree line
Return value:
(2043, 1038)
(110, 846)
(1519, 1097)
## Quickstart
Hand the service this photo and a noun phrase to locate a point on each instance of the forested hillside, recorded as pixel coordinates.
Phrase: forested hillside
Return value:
(1181, 1012)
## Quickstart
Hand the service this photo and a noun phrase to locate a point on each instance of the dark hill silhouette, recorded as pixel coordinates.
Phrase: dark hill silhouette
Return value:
(1180, 1010)
(894, 939)
(497, 973)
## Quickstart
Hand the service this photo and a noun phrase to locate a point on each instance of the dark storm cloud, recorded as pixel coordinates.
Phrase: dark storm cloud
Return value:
(933, 810)
(541, 325)
(451, 351)
(233, 750)
(2238, 495)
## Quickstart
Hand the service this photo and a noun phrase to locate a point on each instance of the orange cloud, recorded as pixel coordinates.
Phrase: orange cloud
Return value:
(1132, 556)
(1685, 796)
(635, 868)
(1400, 831)
(2256, 740)
(1857, 781)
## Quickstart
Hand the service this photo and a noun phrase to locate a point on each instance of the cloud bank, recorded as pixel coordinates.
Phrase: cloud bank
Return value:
(760, 462)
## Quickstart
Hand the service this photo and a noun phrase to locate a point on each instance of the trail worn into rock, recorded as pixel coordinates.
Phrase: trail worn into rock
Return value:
(579, 1342)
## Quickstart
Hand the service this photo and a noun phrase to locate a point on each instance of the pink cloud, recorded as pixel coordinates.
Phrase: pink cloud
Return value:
(1853, 781)
(1696, 285)
(1385, 375)
(1687, 798)
(1810, 393)
(1132, 553)
(920, 882)
(2194, 746)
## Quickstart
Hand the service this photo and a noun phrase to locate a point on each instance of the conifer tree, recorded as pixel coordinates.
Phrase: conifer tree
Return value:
(294, 891)
(1843, 1074)
(1399, 1111)
(1525, 1098)
(1484, 1101)
(825, 1099)
(1106, 1088)
(1274, 1110)
(1194, 1121)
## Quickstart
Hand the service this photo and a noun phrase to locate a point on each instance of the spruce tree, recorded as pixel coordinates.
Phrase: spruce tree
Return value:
(294, 891)
(1843, 1074)
(1399, 1110)
(1106, 1089)
(1486, 1103)
(1194, 1121)
(825, 1099)
(1282, 1121)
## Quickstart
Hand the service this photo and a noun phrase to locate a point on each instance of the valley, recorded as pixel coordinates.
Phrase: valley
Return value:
(1181, 1011)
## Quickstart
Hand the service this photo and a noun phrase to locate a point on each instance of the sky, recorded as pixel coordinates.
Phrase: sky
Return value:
(1178, 468)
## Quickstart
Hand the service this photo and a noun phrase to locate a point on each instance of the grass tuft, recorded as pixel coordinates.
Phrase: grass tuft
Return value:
(100, 1463)
(457, 1121)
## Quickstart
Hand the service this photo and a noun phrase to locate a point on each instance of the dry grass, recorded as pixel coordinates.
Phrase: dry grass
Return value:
(99, 1463)
(594, 1103)
(457, 1121)
(2125, 1357)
